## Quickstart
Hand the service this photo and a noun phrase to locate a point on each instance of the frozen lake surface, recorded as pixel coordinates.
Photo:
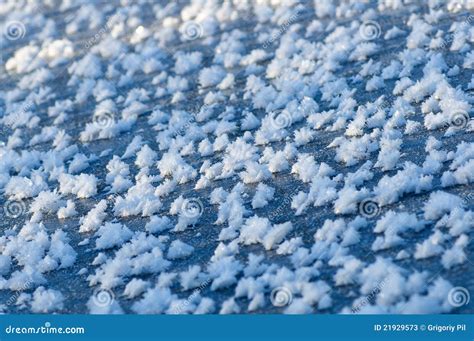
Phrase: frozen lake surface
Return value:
(235, 157)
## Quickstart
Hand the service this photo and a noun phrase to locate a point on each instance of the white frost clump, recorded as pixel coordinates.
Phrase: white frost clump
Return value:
(391, 225)
(262, 196)
(389, 153)
(229, 306)
(462, 167)
(134, 146)
(431, 246)
(254, 230)
(179, 249)
(83, 185)
(94, 217)
(145, 157)
(305, 167)
(410, 179)
(441, 203)
(158, 224)
(456, 254)
(155, 301)
(47, 300)
(47, 202)
(135, 288)
(60, 252)
(112, 234)
(260, 230)
(458, 221)
(22, 187)
(186, 62)
(224, 272)
(140, 198)
(276, 235)
(211, 76)
(68, 211)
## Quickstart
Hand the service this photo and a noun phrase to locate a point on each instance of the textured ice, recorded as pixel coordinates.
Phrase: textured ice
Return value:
(270, 156)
